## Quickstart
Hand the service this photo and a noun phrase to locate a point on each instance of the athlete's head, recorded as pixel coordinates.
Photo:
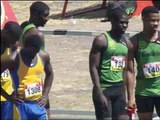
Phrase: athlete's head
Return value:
(11, 33)
(150, 18)
(33, 43)
(39, 13)
(119, 20)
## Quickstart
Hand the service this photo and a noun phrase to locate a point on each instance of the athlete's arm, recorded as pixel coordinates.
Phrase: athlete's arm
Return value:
(9, 62)
(12, 98)
(48, 78)
(130, 73)
(125, 68)
(99, 44)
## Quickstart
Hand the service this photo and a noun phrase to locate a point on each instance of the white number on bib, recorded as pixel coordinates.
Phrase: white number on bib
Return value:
(5, 74)
(33, 89)
(117, 63)
(151, 70)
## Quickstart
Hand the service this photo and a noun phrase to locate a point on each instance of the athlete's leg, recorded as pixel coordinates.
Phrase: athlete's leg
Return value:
(119, 103)
(157, 105)
(145, 106)
(30, 110)
(40, 113)
(102, 113)
(16, 113)
(23, 111)
(6, 110)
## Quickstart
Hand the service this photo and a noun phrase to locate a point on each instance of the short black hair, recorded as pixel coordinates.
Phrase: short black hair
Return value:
(117, 14)
(33, 40)
(38, 8)
(149, 9)
(14, 29)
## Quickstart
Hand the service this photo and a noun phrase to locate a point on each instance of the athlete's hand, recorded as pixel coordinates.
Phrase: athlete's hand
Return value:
(131, 104)
(13, 98)
(103, 101)
(42, 101)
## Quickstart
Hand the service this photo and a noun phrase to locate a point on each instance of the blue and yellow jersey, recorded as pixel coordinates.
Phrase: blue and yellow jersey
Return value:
(6, 80)
(28, 80)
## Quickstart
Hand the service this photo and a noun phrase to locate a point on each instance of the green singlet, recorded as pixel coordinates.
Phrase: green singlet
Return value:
(148, 61)
(112, 62)
(26, 28)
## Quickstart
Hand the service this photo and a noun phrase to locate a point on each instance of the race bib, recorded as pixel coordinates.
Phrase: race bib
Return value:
(117, 63)
(5, 74)
(33, 90)
(151, 70)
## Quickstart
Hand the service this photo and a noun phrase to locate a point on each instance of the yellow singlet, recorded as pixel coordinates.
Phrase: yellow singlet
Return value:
(30, 79)
(6, 81)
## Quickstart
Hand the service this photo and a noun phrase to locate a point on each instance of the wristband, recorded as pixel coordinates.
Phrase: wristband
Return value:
(44, 97)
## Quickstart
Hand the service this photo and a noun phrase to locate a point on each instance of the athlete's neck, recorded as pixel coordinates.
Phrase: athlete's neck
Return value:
(150, 37)
(116, 35)
(32, 21)
(28, 59)
(28, 54)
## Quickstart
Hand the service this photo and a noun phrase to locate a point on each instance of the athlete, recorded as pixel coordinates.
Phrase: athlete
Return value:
(106, 64)
(27, 67)
(10, 34)
(39, 15)
(144, 48)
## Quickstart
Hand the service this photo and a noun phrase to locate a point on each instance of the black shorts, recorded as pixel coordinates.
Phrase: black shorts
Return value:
(116, 103)
(147, 104)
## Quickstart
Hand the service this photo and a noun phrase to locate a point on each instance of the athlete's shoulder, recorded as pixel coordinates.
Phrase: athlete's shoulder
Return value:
(132, 42)
(123, 40)
(33, 31)
(100, 40)
(135, 38)
(24, 24)
(44, 55)
(100, 36)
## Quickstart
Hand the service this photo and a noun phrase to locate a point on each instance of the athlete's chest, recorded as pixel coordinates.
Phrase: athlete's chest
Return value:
(147, 50)
(30, 62)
